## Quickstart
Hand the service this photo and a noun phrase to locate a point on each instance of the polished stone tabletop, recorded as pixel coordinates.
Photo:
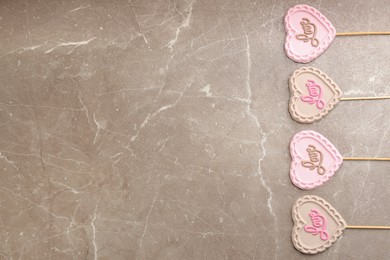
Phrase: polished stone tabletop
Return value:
(160, 129)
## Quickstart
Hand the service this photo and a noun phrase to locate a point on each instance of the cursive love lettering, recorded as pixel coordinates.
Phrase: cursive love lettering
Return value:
(315, 160)
(309, 32)
(315, 94)
(318, 225)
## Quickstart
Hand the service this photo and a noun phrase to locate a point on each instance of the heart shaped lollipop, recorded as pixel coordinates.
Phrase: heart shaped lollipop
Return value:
(314, 159)
(313, 94)
(317, 225)
(308, 33)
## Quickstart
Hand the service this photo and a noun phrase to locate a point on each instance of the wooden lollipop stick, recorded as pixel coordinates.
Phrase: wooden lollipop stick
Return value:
(361, 33)
(364, 98)
(369, 227)
(365, 159)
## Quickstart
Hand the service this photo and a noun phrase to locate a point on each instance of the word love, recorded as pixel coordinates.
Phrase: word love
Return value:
(315, 94)
(318, 225)
(315, 160)
(309, 32)
(325, 227)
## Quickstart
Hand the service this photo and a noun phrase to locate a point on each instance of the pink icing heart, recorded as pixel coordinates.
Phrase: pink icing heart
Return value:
(309, 33)
(314, 160)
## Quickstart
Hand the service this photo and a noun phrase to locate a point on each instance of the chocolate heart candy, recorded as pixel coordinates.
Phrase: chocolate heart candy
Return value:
(317, 225)
(309, 33)
(313, 94)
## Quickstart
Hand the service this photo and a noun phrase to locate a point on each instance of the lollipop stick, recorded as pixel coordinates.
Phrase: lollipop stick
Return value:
(361, 33)
(365, 159)
(369, 227)
(364, 98)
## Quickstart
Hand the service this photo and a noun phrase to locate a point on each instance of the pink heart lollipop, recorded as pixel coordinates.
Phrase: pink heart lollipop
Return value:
(314, 159)
(309, 33)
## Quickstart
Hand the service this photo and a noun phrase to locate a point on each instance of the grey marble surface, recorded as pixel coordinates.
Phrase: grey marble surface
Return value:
(160, 129)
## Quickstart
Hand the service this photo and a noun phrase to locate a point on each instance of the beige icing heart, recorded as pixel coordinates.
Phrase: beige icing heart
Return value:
(313, 94)
(317, 225)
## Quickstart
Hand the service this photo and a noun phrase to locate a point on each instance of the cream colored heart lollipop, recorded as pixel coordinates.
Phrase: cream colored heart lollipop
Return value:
(314, 94)
(317, 225)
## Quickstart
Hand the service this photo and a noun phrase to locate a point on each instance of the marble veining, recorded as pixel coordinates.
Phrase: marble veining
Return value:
(160, 129)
